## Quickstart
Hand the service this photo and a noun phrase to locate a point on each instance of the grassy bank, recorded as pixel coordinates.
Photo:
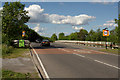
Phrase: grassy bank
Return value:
(10, 75)
(10, 52)
(115, 51)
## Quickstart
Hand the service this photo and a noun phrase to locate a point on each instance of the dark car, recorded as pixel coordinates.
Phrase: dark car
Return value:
(45, 43)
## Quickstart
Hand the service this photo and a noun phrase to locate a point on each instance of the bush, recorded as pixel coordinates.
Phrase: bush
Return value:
(6, 49)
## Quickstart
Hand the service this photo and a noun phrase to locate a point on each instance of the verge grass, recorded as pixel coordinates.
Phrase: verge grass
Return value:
(114, 51)
(10, 52)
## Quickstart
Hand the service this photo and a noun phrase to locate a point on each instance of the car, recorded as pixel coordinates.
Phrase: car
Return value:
(45, 43)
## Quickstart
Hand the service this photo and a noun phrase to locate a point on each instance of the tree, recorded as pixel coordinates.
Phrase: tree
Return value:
(118, 29)
(13, 18)
(61, 36)
(54, 37)
(99, 35)
(82, 34)
(114, 35)
(91, 36)
(73, 36)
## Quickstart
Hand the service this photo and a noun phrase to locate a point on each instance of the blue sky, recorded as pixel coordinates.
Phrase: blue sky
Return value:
(100, 16)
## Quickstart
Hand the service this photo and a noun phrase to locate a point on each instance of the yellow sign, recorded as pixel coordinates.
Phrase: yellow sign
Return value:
(23, 33)
(105, 32)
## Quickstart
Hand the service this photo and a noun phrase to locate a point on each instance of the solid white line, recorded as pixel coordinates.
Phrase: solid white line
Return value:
(107, 64)
(46, 74)
(79, 55)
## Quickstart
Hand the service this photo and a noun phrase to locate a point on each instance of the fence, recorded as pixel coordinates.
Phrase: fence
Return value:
(91, 43)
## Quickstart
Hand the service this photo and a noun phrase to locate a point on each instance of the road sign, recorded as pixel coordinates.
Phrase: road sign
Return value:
(23, 33)
(105, 32)
(21, 43)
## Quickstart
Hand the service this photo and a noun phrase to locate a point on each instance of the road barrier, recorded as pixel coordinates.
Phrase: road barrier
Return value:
(91, 43)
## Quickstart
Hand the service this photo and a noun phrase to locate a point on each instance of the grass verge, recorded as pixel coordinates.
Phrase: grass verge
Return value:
(10, 75)
(114, 51)
(16, 52)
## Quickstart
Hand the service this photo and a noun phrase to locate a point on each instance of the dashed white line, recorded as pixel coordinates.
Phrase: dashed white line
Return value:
(46, 74)
(79, 55)
(93, 59)
(106, 64)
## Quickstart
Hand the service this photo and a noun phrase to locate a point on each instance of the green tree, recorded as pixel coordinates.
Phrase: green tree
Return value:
(82, 34)
(117, 21)
(91, 36)
(54, 37)
(114, 35)
(73, 36)
(61, 36)
(99, 35)
(13, 18)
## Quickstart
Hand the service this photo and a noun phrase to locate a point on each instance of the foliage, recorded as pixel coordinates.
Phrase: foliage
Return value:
(73, 36)
(61, 36)
(82, 35)
(11, 74)
(6, 49)
(54, 37)
(14, 18)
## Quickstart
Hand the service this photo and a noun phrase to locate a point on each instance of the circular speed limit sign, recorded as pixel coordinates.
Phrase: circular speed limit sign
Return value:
(105, 32)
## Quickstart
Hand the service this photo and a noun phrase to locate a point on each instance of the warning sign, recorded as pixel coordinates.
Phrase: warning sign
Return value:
(23, 33)
(105, 32)
(21, 43)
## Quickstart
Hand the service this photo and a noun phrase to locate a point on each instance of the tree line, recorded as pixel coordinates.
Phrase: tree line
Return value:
(84, 35)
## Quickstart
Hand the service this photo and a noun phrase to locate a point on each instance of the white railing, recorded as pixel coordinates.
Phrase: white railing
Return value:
(90, 43)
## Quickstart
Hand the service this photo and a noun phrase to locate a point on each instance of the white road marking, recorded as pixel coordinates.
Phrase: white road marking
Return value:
(106, 64)
(93, 59)
(46, 74)
(105, 53)
(79, 55)
(82, 51)
(64, 50)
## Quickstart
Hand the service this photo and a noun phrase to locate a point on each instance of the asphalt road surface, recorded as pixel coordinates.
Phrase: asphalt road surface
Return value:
(62, 60)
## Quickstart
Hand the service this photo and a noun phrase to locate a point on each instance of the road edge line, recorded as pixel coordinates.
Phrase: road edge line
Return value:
(43, 68)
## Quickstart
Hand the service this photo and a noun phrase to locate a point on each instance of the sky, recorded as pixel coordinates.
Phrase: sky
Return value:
(68, 17)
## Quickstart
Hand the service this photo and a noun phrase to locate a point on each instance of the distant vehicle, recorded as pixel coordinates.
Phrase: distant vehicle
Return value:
(45, 43)
(38, 40)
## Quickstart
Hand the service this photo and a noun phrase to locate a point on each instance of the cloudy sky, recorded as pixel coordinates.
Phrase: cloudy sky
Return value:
(56, 17)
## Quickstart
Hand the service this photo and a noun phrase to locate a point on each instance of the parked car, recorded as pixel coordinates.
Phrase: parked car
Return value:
(45, 43)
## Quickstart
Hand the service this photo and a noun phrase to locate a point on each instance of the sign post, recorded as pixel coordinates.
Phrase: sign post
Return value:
(22, 42)
(106, 33)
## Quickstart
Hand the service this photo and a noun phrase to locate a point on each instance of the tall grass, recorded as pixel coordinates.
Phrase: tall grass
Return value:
(6, 49)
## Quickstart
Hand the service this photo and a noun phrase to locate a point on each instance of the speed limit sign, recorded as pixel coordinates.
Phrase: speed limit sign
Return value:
(105, 32)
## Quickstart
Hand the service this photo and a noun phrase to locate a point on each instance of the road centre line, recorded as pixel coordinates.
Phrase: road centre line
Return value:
(79, 55)
(98, 61)
(46, 74)
(106, 64)
(94, 60)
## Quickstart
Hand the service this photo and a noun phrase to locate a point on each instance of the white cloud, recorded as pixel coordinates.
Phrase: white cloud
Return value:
(105, 1)
(37, 16)
(110, 23)
(77, 28)
(39, 29)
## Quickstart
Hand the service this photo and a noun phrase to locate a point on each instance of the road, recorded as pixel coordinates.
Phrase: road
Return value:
(62, 60)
